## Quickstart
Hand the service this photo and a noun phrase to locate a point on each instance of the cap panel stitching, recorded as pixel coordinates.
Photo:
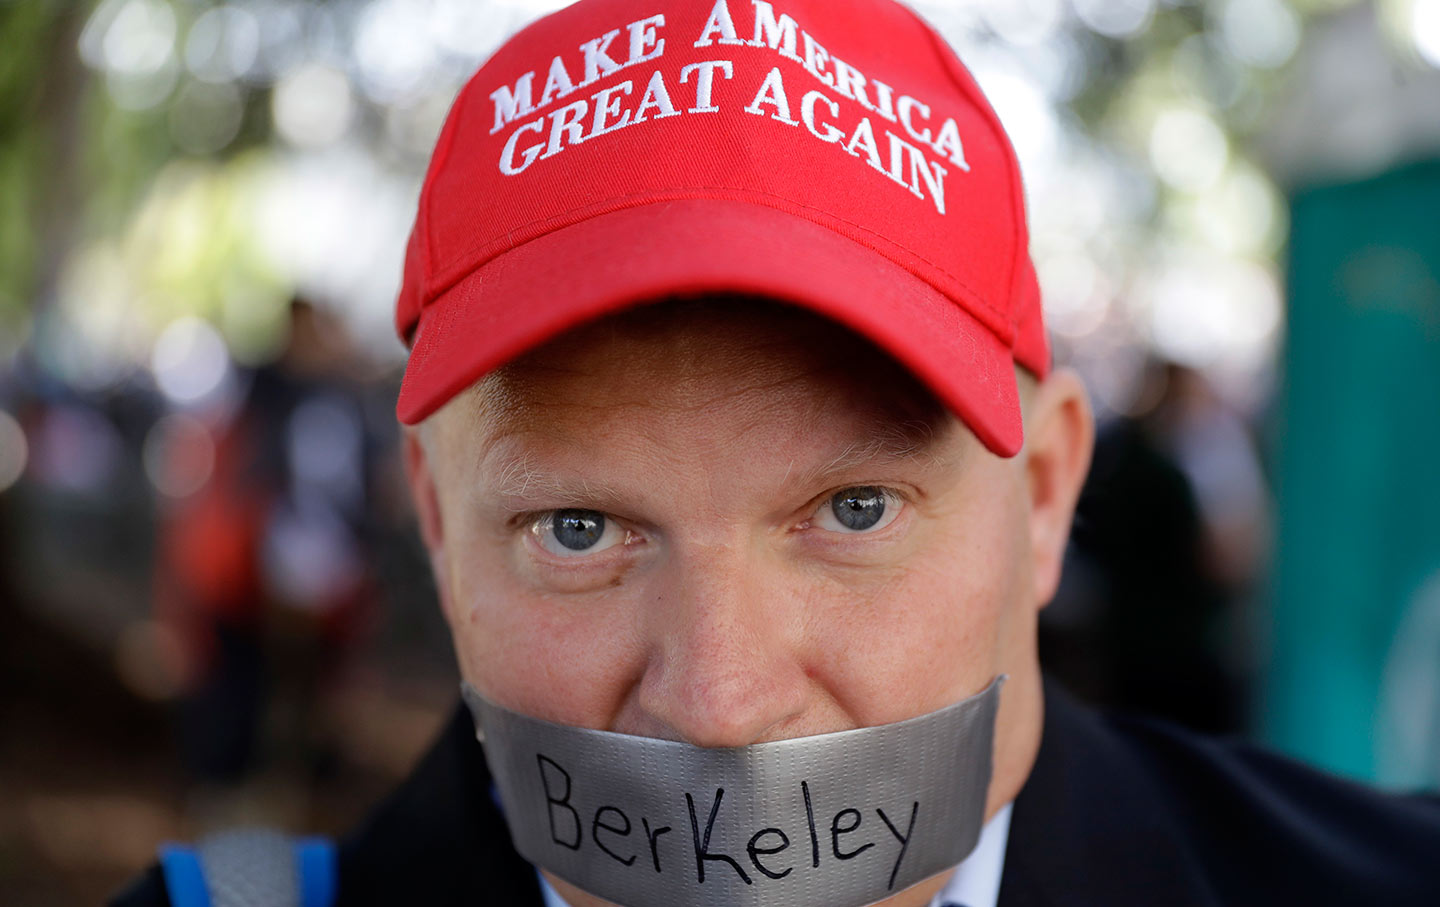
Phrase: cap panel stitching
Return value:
(950, 60)
(438, 161)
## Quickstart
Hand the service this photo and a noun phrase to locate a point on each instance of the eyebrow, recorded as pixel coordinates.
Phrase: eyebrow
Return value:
(522, 484)
(891, 442)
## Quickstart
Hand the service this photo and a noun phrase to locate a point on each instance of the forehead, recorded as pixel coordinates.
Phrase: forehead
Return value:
(683, 363)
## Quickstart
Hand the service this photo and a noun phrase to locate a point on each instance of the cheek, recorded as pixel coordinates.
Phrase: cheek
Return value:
(568, 660)
(932, 630)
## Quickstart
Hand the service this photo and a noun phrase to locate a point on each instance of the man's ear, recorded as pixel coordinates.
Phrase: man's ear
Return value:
(1059, 439)
(419, 472)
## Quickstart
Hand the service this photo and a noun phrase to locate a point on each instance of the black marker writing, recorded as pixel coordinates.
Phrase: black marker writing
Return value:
(562, 802)
(904, 841)
(836, 830)
(651, 836)
(702, 847)
(756, 852)
(810, 817)
(597, 826)
(611, 828)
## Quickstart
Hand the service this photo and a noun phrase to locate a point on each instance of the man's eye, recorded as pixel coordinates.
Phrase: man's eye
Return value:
(862, 509)
(571, 533)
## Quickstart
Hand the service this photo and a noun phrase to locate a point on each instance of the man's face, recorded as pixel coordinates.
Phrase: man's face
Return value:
(729, 529)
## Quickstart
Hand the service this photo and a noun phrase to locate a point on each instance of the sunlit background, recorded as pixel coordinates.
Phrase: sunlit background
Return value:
(175, 174)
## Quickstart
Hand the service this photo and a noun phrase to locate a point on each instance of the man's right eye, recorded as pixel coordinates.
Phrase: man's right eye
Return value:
(574, 533)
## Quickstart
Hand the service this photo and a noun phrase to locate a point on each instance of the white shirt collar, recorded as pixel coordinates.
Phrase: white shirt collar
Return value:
(976, 882)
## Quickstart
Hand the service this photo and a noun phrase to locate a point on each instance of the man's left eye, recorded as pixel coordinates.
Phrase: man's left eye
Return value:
(574, 533)
(865, 508)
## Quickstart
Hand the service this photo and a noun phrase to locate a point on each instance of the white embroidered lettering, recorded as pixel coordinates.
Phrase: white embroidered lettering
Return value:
(908, 106)
(816, 57)
(566, 122)
(902, 152)
(606, 106)
(557, 84)
(597, 57)
(720, 24)
(512, 104)
(656, 96)
(947, 144)
(507, 159)
(885, 99)
(864, 139)
(644, 35)
(773, 93)
(777, 34)
(605, 112)
(705, 82)
(851, 83)
(807, 113)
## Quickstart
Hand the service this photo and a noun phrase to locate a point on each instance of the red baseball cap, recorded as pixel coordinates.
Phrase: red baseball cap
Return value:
(832, 154)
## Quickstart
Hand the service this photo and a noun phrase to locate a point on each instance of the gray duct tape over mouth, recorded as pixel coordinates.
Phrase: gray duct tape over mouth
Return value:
(834, 820)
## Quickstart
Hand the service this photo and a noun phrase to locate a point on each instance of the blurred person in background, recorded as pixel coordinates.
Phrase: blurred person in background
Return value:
(786, 530)
(262, 573)
(1171, 538)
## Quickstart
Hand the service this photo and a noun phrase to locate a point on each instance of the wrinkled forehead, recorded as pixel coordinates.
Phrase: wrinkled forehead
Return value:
(692, 358)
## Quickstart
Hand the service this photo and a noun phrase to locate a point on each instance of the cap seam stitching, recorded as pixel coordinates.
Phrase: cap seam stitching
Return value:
(441, 157)
(949, 59)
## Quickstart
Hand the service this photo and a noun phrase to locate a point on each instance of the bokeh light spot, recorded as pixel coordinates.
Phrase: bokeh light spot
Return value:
(1204, 312)
(1188, 149)
(1077, 298)
(223, 44)
(189, 361)
(394, 52)
(1263, 33)
(1115, 18)
(129, 37)
(179, 455)
(312, 105)
(1024, 22)
(1425, 27)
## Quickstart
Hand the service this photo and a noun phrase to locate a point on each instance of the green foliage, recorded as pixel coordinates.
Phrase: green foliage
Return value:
(29, 31)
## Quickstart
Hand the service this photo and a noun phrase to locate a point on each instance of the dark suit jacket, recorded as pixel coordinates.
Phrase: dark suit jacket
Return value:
(1118, 811)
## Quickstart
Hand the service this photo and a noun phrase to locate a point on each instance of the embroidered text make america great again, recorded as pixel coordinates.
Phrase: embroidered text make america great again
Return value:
(905, 158)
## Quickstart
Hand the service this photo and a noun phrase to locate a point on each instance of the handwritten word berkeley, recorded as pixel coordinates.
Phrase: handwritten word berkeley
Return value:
(903, 160)
(611, 829)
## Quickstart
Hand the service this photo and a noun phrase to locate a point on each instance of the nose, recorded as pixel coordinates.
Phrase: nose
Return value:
(726, 666)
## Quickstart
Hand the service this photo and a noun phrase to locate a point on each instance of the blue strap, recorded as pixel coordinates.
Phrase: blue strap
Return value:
(315, 860)
(319, 871)
(184, 879)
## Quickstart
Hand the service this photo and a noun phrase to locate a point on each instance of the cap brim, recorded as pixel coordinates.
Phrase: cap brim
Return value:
(633, 256)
